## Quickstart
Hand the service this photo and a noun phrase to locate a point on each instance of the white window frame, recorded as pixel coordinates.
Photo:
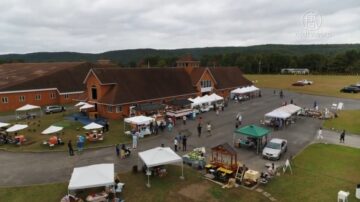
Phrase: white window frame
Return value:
(38, 97)
(110, 109)
(5, 100)
(22, 98)
(118, 109)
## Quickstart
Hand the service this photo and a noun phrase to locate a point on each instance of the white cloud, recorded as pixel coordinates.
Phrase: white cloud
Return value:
(101, 25)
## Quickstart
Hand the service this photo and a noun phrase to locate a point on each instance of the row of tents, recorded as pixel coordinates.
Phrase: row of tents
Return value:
(284, 112)
(206, 99)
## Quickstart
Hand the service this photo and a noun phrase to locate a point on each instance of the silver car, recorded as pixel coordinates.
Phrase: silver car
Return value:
(54, 109)
(274, 149)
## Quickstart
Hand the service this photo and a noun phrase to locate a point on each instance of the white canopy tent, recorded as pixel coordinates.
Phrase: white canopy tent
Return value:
(4, 124)
(278, 114)
(86, 106)
(52, 129)
(214, 97)
(139, 120)
(17, 127)
(290, 108)
(243, 90)
(79, 104)
(97, 175)
(92, 126)
(27, 107)
(160, 156)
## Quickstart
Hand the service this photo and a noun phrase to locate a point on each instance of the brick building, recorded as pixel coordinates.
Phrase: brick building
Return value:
(42, 83)
(115, 90)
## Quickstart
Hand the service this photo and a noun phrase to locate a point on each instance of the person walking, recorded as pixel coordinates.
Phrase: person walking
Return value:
(184, 140)
(319, 134)
(199, 129)
(239, 118)
(184, 120)
(175, 144)
(342, 137)
(117, 149)
(208, 128)
(71, 150)
(281, 94)
(217, 112)
(291, 101)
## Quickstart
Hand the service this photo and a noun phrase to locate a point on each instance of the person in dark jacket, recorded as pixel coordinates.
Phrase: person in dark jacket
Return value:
(71, 150)
(184, 140)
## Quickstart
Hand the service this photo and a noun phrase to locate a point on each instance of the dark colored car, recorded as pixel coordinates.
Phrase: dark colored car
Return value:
(350, 89)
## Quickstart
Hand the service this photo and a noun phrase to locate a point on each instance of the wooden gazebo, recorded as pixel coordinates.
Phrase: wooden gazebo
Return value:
(225, 156)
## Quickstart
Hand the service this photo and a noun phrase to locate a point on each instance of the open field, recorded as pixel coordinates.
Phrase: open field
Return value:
(319, 172)
(323, 84)
(348, 120)
(169, 188)
(71, 130)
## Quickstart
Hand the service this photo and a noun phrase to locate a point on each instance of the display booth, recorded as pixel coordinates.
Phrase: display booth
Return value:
(154, 160)
(138, 123)
(95, 132)
(27, 111)
(282, 116)
(251, 136)
(18, 139)
(244, 93)
(179, 108)
(52, 129)
(93, 176)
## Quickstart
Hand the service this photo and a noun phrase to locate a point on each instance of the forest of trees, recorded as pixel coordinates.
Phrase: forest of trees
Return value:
(329, 58)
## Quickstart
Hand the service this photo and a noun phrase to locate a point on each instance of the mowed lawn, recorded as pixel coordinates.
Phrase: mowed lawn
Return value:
(323, 84)
(348, 120)
(168, 188)
(71, 130)
(319, 172)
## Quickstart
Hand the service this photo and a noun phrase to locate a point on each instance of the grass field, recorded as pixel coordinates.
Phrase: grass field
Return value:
(348, 120)
(169, 188)
(323, 84)
(71, 130)
(319, 172)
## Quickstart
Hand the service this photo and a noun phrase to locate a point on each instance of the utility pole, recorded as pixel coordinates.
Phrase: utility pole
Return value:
(259, 71)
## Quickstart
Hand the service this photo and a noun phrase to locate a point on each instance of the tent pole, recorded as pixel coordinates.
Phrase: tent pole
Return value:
(182, 171)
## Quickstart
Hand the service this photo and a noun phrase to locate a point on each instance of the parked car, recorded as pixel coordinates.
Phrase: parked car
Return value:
(350, 89)
(298, 84)
(274, 149)
(54, 109)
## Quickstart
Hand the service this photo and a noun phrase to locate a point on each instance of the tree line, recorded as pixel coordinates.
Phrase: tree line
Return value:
(270, 63)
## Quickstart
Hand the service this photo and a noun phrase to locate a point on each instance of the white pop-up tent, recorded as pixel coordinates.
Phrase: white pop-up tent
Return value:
(214, 97)
(86, 106)
(52, 129)
(243, 90)
(92, 126)
(290, 108)
(79, 104)
(98, 175)
(17, 127)
(139, 120)
(4, 124)
(278, 114)
(160, 156)
(27, 108)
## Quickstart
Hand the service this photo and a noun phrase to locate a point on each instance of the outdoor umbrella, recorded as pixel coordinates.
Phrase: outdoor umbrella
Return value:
(52, 129)
(92, 126)
(16, 127)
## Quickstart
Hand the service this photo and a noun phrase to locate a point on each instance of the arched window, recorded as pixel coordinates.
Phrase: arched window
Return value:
(93, 92)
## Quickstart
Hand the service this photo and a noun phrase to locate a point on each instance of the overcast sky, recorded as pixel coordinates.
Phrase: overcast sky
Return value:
(101, 25)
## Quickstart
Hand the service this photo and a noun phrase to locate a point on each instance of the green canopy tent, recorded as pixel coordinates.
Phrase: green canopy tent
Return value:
(253, 131)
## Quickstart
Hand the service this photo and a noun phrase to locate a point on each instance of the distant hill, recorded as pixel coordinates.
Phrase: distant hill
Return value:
(135, 55)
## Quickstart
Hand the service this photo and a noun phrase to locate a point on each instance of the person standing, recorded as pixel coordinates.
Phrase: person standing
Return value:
(342, 137)
(199, 129)
(184, 140)
(175, 144)
(281, 94)
(134, 140)
(217, 112)
(291, 101)
(117, 149)
(71, 150)
(106, 126)
(208, 128)
(319, 134)
(184, 120)
(239, 118)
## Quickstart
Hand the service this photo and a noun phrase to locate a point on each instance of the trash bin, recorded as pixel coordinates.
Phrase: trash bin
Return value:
(357, 192)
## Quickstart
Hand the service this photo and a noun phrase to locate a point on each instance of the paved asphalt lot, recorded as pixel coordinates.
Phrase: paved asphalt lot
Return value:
(48, 167)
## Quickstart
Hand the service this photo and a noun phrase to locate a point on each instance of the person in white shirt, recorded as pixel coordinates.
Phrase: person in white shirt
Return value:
(319, 134)
(175, 144)
(208, 127)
